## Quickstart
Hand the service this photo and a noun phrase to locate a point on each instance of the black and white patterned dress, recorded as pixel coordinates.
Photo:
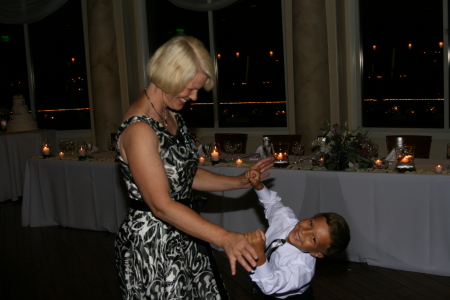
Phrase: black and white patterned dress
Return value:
(154, 259)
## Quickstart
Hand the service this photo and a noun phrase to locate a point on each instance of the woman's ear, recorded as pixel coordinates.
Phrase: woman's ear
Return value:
(317, 254)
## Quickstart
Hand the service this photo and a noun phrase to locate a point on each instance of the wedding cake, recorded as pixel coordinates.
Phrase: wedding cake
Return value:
(20, 120)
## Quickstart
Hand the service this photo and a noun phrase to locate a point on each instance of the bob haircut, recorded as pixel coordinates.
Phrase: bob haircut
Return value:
(177, 62)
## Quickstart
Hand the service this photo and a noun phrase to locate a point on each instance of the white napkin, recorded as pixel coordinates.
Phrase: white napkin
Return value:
(391, 156)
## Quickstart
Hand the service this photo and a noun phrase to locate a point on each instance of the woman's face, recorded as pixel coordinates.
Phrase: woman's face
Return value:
(190, 92)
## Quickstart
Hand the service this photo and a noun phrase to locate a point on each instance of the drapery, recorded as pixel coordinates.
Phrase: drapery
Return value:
(202, 5)
(27, 11)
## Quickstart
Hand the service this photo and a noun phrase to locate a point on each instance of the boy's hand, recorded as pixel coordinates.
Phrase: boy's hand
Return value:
(254, 177)
(257, 239)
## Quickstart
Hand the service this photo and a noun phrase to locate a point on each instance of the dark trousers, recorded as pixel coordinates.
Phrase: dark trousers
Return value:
(307, 295)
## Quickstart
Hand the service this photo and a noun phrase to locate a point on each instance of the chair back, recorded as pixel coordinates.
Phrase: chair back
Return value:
(284, 138)
(233, 137)
(422, 143)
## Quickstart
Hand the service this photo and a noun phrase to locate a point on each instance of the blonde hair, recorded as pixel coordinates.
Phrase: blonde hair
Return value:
(177, 62)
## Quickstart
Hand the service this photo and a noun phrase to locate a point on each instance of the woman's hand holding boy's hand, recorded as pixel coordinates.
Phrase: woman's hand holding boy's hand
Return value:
(261, 166)
(257, 239)
(254, 177)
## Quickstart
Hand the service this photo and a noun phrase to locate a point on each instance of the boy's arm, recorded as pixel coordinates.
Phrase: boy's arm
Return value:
(257, 239)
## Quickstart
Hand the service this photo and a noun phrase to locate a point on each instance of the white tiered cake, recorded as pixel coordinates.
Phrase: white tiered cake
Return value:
(20, 120)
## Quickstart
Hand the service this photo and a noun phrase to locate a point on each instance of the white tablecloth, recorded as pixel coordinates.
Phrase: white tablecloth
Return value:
(15, 150)
(397, 221)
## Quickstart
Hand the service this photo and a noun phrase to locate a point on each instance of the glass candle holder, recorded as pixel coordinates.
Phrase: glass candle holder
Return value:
(380, 164)
(405, 159)
(281, 153)
(45, 148)
(215, 153)
(81, 152)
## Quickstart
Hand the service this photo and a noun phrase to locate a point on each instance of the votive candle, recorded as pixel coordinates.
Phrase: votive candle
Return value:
(61, 154)
(438, 169)
(378, 162)
(238, 162)
(46, 151)
(201, 160)
(215, 156)
(280, 156)
(81, 152)
(405, 159)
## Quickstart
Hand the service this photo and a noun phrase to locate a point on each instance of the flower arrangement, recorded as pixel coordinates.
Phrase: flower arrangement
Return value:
(340, 146)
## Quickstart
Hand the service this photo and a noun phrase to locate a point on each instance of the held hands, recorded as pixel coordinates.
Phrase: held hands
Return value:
(257, 239)
(261, 167)
(237, 247)
(254, 177)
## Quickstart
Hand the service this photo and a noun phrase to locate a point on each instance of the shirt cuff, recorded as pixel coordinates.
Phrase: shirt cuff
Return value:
(263, 271)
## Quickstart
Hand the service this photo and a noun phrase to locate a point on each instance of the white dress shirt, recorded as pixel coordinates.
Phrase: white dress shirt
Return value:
(290, 270)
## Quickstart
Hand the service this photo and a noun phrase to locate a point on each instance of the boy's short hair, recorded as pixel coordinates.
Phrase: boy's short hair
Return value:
(177, 62)
(339, 233)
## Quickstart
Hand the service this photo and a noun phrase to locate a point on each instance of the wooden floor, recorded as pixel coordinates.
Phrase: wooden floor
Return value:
(64, 263)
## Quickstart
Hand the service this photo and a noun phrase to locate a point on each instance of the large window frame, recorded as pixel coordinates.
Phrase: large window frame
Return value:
(289, 74)
(347, 18)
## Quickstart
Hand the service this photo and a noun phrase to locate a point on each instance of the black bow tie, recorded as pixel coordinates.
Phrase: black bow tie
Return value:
(274, 246)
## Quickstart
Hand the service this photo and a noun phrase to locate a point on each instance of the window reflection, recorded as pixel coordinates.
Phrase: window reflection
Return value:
(250, 60)
(403, 71)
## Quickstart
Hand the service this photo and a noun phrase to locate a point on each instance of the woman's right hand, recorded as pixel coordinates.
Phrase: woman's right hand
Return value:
(238, 248)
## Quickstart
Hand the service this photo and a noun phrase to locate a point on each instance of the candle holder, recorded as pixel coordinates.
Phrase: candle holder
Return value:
(280, 151)
(318, 161)
(380, 163)
(405, 159)
(238, 162)
(81, 149)
(45, 148)
(201, 160)
(215, 153)
(438, 169)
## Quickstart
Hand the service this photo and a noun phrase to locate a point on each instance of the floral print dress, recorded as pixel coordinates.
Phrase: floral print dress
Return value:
(155, 260)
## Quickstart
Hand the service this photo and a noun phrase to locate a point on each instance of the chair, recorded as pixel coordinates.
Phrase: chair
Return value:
(421, 142)
(285, 138)
(233, 137)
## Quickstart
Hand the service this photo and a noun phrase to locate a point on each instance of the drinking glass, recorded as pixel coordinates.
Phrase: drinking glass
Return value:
(205, 149)
(228, 149)
(301, 152)
(62, 145)
(295, 150)
(89, 148)
(237, 147)
(70, 147)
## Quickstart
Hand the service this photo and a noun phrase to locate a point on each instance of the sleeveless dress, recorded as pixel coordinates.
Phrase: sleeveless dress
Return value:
(154, 259)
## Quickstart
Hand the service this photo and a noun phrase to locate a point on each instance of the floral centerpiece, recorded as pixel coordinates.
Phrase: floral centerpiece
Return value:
(340, 146)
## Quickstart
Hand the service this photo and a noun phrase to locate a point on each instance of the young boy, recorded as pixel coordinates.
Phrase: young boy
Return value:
(288, 272)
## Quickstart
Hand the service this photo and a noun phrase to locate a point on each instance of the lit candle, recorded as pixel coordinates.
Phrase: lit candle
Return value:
(280, 156)
(322, 159)
(215, 156)
(238, 162)
(438, 169)
(378, 162)
(46, 150)
(61, 154)
(81, 152)
(405, 159)
(201, 160)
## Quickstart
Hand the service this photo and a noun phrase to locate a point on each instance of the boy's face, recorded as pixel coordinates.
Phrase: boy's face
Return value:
(311, 235)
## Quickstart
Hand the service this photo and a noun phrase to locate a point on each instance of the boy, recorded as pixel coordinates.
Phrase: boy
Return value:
(287, 272)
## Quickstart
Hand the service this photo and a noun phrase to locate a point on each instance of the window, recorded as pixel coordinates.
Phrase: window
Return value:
(403, 63)
(59, 68)
(248, 47)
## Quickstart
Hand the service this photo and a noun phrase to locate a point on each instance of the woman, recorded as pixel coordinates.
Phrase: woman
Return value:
(156, 254)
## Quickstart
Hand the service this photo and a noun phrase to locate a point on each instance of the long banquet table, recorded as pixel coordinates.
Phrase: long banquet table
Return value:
(397, 221)
(15, 149)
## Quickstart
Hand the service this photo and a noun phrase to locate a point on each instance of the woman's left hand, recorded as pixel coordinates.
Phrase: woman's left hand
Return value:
(262, 166)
